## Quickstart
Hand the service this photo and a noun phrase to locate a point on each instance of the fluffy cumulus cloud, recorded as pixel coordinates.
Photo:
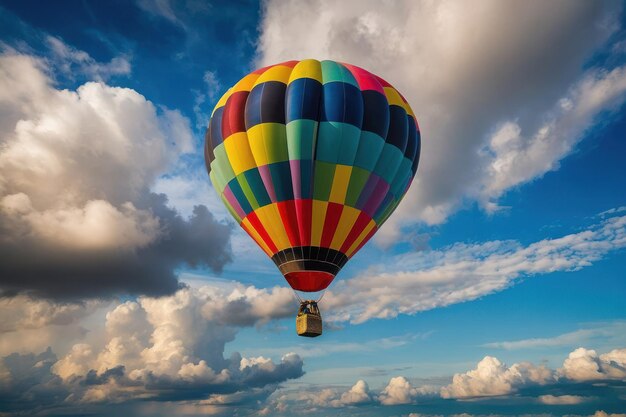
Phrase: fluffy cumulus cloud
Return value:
(161, 349)
(498, 105)
(585, 364)
(358, 394)
(493, 378)
(400, 391)
(22, 312)
(77, 217)
(462, 272)
(574, 383)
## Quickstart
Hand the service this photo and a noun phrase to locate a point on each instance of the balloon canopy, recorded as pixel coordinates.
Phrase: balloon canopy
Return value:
(311, 158)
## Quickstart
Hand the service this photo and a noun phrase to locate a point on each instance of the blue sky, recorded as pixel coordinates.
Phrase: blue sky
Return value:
(496, 288)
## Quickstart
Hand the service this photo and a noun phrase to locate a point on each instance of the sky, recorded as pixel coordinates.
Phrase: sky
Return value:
(496, 288)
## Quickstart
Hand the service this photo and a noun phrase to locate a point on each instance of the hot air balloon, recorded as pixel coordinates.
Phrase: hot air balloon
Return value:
(311, 158)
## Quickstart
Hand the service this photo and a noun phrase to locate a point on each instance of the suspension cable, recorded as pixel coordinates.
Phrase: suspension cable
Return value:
(297, 296)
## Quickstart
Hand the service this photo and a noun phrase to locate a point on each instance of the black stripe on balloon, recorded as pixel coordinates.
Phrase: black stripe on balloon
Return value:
(308, 265)
(398, 127)
(266, 104)
(417, 153)
(375, 113)
(310, 258)
(411, 146)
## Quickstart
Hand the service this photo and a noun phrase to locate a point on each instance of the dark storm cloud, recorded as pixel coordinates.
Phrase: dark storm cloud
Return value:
(77, 215)
(29, 385)
(28, 265)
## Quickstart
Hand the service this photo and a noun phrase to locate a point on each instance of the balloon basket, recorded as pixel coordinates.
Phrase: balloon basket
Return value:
(309, 319)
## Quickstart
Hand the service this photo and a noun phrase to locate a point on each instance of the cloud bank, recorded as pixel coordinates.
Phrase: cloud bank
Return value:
(491, 378)
(77, 218)
(463, 272)
(159, 349)
(498, 104)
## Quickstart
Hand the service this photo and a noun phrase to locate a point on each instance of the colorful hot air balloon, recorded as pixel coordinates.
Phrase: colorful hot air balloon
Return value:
(311, 158)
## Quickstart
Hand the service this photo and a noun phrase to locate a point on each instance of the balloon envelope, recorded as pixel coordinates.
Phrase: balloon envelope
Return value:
(311, 158)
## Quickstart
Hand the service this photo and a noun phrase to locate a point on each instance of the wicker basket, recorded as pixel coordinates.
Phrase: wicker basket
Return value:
(309, 320)
(309, 325)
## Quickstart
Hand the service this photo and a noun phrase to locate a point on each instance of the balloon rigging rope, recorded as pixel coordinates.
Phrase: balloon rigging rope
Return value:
(297, 296)
(300, 300)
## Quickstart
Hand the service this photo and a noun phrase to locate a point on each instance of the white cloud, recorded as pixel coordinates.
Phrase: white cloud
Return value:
(562, 399)
(185, 190)
(183, 335)
(491, 378)
(614, 331)
(69, 61)
(498, 105)
(136, 333)
(76, 169)
(22, 312)
(398, 391)
(96, 225)
(585, 364)
(213, 85)
(33, 325)
(72, 163)
(611, 211)
(516, 158)
(76, 362)
(358, 394)
(206, 99)
(462, 272)
(168, 348)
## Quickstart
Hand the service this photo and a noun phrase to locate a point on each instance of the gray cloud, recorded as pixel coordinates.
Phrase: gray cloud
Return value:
(166, 349)
(470, 71)
(44, 269)
(522, 384)
(77, 217)
(27, 383)
(171, 349)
